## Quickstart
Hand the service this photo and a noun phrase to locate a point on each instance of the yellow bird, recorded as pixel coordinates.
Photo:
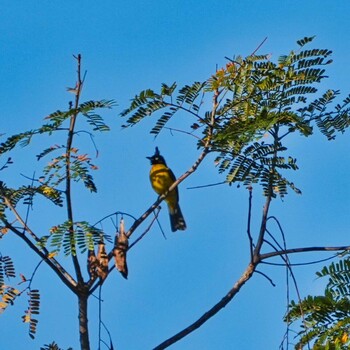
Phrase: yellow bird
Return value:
(161, 179)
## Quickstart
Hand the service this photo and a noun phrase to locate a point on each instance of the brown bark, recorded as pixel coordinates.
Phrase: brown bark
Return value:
(83, 321)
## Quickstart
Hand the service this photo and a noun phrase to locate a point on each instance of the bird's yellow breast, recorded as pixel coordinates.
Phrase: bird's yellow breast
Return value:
(161, 179)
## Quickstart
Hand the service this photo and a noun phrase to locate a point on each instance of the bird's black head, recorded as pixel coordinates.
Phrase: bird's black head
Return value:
(157, 158)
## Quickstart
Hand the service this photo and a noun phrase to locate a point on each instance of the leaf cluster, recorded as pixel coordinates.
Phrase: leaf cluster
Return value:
(8, 293)
(264, 102)
(52, 346)
(326, 318)
(256, 104)
(69, 235)
(32, 310)
(56, 123)
(25, 195)
(149, 102)
(80, 167)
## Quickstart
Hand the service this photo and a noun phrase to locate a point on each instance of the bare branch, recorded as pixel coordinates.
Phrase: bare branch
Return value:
(251, 243)
(256, 252)
(259, 46)
(303, 263)
(78, 89)
(204, 186)
(303, 250)
(248, 273)
(267, 277)
(183, 132)
(147, 229)
(22, 222)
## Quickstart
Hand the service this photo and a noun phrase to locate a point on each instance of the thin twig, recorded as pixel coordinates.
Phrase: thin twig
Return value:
(259, 46)
(204, 186)
(146, 231)
(302, 264)
(114, 214)
(25, 227)
(250, 238)
(91, 138)
(304, 249)
(99, 316)
(29, 205)
(267, 277)
(32, 276)
(159, 225)
(183, 132)
(290, 272)
(109, 335)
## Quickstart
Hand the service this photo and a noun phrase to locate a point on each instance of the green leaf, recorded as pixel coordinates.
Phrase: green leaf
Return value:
(305, 40)
(69, 235)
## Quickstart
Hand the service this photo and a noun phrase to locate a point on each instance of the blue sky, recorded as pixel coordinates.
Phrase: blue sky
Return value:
(129, 46)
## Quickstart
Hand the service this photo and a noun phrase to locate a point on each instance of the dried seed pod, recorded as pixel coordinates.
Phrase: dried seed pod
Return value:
(102, 261)
(119, 253)
(92, 263)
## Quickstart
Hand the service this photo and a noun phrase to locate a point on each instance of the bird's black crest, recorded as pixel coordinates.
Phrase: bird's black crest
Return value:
(157, 158)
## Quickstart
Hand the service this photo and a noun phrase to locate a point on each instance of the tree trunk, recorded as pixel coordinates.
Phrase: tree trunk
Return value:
(83, 322)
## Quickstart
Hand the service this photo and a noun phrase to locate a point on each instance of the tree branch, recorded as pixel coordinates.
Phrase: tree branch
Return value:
(303, 250)
(146, 231)
(248, 273)
(250, 238)
(256, 252)
(21, 221)
(78, 88)
(63, 275)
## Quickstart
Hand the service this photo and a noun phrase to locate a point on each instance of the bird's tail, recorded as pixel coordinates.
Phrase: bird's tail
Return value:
(177, 220)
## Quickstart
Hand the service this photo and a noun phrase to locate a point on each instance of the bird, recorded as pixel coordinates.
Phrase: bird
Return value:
(161, 179)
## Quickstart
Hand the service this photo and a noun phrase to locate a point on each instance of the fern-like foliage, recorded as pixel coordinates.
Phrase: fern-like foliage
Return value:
(27, 193)
(8, 294)
(262, 108)
(7, 164)
(70, 235)
(80, 168)
(148, 102)
(56, 122)
(7, 268)
(338, 274)
(326, 317)
(49, 150)
(11, 142)
(326, 322)
(257, 103)
(32, 311)
(95, 120)
(87, 109)
(52, 346)
(79, 165)
(305, 40)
